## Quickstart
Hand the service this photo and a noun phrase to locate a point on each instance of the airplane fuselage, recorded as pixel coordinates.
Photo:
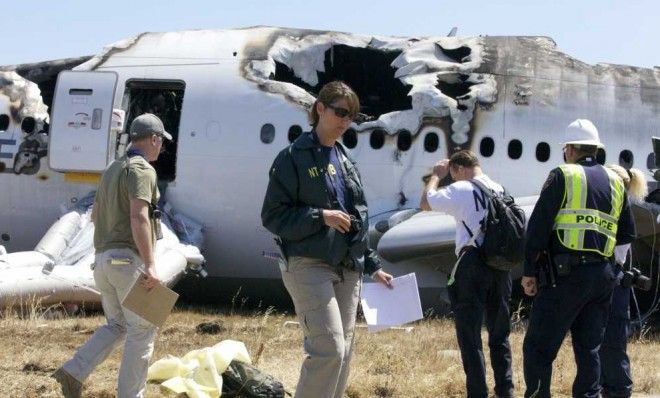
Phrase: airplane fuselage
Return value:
(244, 97)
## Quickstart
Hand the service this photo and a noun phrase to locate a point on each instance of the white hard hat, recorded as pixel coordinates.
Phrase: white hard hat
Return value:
(582, 132)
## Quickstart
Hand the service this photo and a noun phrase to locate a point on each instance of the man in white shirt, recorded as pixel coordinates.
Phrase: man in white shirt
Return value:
(474, 287)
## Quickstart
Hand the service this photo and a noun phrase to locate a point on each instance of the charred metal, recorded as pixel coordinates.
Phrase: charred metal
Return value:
(367, 71)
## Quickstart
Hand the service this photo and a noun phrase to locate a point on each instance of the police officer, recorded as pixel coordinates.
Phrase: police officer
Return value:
(315, 204)
(581, 215)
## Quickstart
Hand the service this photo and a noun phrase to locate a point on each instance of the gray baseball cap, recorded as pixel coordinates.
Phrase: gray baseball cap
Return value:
(146, 125)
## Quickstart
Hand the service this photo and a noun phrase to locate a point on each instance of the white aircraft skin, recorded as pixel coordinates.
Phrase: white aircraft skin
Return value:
(521, 88)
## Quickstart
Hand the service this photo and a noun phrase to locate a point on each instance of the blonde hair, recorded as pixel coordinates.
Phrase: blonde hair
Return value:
(331, 93)
(633, 181)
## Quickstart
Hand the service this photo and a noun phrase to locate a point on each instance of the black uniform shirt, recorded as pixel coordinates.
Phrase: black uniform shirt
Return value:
(540, 235)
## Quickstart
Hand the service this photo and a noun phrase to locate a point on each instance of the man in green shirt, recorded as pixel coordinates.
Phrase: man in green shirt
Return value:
(126, 226)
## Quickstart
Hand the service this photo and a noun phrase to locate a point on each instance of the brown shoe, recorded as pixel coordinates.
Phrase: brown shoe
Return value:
(71, 387)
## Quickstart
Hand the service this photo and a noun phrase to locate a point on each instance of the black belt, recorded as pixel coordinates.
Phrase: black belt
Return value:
(585, 258)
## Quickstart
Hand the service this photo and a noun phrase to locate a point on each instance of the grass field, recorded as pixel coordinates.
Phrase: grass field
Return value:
(394, 363)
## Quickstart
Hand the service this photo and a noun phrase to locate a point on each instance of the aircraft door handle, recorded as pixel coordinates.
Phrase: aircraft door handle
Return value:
(97, 115)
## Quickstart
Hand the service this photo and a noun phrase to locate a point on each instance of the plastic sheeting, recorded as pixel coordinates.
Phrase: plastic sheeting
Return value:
(198, 373)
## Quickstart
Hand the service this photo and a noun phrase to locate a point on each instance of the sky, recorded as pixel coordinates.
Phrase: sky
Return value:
(618, 32)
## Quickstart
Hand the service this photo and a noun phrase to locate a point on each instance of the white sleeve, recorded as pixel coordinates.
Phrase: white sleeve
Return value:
(620, 253)
(442, 199)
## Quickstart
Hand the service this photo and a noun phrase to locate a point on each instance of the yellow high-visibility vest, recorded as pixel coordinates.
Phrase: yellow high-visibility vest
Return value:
(574, 219)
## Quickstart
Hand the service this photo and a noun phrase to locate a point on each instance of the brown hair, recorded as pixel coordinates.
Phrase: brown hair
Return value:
(331, 93)
(464, 158)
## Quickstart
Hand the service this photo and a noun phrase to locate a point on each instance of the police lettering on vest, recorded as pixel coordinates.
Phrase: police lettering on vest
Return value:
(597, 221)
(574, 218)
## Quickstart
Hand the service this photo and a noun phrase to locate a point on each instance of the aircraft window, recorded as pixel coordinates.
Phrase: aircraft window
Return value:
(163, 98)
(4, 122)
(404, 140)
(377, 139)
(601, 155)
(515, 149)
(350, 138)
(431, 142)
(487, 147)
(542, 152)
(650, 161)
(267, 133)
(626, 159)
(294, 132)
(28, 124)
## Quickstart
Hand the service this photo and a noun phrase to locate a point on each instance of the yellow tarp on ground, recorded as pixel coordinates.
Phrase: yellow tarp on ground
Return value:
(198, 373)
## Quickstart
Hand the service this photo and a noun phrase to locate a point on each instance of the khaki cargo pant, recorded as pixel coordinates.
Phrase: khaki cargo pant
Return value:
(326, 306)
(114, 281)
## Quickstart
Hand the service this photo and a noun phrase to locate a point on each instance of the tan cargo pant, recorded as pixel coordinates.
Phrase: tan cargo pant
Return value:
(114, 280)
(326, 305)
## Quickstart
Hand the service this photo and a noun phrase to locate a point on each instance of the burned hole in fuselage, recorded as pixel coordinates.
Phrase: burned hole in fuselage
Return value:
(367, 71)
(457, 54)
(455, 86)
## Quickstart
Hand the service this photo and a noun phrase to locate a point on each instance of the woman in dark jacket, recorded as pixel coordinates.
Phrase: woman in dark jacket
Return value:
(315, 205)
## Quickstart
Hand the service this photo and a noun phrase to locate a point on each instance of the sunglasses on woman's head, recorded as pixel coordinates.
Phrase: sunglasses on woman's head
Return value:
(339, 111)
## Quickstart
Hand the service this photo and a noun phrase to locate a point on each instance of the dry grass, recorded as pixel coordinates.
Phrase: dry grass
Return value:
(423, 363)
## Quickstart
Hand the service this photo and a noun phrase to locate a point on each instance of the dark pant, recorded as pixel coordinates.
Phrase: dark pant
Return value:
(478, 288)
(580, 303)
(615, 375)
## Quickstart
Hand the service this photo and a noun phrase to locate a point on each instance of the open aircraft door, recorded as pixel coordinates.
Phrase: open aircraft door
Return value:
(81, 118)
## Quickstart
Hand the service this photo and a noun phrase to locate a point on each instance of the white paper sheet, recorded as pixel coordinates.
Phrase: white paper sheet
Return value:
(383, 307)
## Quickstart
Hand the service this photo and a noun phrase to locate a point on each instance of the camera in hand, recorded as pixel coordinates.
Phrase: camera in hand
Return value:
(634, 278)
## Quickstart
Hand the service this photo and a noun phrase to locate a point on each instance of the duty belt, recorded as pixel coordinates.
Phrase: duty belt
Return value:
(584, 258)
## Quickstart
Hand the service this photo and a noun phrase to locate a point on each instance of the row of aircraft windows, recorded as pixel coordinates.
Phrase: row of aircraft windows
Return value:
(432, 142)
(350, 138)
(515, 147)
(404, 142)
(27, 124)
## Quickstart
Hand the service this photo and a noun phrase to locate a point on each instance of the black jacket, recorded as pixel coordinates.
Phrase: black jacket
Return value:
(292, 209)
(540, 235)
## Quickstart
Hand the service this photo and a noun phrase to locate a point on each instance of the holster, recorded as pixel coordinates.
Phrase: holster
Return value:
(547, 273)
(563, 263)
